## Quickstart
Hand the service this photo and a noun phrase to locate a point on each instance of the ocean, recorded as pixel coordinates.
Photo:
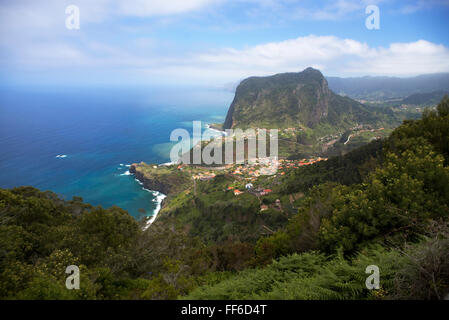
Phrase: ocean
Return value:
(79, 141)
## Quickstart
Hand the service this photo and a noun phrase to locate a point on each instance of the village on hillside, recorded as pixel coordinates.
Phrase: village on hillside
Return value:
(246, 176)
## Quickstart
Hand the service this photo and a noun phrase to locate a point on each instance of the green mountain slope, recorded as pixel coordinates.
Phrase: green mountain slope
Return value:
(299, 100)
(396, 219)
(391, 210)
(427, 99)
(385, 88)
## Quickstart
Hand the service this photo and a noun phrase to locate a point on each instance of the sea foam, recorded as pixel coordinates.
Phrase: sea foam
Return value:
(167, 164)
(222, 133)
(159, 197)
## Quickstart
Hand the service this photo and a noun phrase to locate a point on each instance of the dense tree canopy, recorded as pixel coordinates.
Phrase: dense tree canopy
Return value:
(385, 204)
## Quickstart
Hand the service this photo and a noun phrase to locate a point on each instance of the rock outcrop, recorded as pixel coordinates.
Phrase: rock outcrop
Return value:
(158, 178)
(284, 100)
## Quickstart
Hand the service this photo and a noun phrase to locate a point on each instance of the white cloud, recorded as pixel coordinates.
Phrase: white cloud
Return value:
(159, 7)
(50, 14)
(330, 54)
(333, 55)
(419, 5)
(334, 10)
(33, 37)
(405, 59)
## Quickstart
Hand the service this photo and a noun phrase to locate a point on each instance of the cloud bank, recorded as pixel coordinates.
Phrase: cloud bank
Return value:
(330, 54)
(111, 45)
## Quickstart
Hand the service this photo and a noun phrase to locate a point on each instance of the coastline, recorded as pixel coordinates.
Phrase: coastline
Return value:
(160, 193)
(210, 127)
(159, 200)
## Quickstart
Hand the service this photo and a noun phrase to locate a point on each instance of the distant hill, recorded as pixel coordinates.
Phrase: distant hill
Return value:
(383, 88)
(300, 100)
(428, 99)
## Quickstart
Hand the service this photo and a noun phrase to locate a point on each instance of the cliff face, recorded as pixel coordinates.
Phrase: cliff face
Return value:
(165, 180)
(148, 183)
(290, 100)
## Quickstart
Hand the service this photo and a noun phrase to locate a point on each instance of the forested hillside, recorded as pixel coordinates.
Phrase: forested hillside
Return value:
(426, 99)
(384, 88)
(396, 218)
(386, 204)
(291, 100)
(311, 119)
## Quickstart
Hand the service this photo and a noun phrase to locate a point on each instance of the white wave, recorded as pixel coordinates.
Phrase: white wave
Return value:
(223, 133)
(61, 156)
(167, 164)
(124, 165)
(159, 197)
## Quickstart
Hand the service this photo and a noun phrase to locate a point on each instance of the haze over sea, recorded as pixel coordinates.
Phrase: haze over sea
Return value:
(78, 141)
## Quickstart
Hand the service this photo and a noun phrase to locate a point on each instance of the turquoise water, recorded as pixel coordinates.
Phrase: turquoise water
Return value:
(98, 132)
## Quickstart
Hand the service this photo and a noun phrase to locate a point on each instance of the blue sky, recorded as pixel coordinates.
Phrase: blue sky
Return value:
(216, 42)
